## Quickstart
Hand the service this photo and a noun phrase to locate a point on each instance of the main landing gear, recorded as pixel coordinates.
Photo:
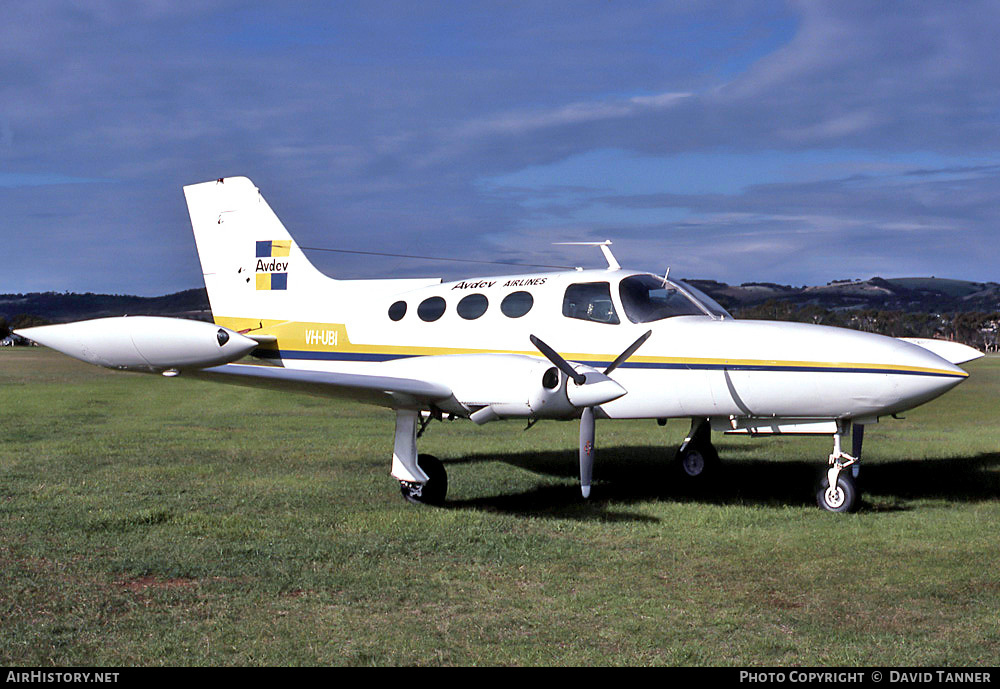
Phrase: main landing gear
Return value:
(422, 479)
(697, 460)
(838, 489)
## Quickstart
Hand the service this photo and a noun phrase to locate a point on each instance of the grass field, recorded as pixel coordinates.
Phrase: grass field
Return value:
(146, 521)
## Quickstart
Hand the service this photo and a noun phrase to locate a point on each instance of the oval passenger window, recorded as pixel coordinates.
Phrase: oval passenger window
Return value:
(516, 304)
(397, 310)
(431, 309)
(472, 306)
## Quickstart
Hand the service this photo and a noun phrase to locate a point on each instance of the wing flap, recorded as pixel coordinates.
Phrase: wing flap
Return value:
(384, 391)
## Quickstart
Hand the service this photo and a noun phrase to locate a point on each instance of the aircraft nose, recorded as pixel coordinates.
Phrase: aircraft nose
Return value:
(925, 375)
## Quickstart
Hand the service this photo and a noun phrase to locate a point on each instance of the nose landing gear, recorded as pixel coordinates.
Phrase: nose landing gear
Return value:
(838, 489)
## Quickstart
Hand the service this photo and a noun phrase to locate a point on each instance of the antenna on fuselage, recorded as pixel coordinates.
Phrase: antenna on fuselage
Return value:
(605, 249)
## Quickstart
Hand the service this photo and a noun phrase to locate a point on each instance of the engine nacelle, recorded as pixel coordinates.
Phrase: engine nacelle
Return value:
(522, 387)
(144, 343)
(510, 386)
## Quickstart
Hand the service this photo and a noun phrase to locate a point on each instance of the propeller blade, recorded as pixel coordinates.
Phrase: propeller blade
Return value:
(558, 361)
(627, 353)
(586, 450)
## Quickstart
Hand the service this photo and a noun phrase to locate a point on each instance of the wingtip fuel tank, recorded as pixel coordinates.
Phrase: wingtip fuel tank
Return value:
(151, 344)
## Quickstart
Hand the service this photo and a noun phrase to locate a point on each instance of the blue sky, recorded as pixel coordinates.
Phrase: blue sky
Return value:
(794, 142)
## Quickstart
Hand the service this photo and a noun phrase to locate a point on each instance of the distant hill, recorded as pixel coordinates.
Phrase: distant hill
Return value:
(958, 310)
(60, 307)
(909, 295)
(967, 312)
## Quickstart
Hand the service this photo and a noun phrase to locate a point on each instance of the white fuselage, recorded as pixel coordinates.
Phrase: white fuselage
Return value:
(691, 366)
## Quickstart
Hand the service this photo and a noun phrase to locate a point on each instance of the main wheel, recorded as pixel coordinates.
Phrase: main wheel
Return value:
(434, 490)
(696, 462)
(844, 498)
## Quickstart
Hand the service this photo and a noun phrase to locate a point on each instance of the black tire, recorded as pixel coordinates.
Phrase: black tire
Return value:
(434, 491)
(697, 463)
(847, 497)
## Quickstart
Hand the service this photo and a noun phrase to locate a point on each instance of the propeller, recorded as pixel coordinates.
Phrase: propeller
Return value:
(591, 389)
(627, 353)
(558, 361)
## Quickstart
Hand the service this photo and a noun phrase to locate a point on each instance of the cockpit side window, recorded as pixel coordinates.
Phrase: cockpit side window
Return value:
(590, 301)
(646, 298)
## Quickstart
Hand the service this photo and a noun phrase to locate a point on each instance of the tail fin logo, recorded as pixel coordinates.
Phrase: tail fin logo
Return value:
(274, 248)
(272, 274)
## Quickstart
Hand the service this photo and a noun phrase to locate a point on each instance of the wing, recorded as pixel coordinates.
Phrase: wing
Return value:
(384, 391)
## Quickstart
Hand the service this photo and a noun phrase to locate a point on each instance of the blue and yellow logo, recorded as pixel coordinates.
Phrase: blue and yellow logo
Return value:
(273, 274)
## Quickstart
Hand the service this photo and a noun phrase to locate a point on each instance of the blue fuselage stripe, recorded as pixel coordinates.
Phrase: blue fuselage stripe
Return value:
(372, 357)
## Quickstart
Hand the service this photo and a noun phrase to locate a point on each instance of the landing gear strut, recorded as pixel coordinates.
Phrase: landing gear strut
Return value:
(422, 479)
(697, 459)
(838, 489)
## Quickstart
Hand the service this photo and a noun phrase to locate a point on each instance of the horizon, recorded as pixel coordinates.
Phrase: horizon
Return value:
(797, 142)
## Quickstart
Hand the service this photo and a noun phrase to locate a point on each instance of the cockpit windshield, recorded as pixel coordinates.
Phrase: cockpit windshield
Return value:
(648, 298)
(714, 307)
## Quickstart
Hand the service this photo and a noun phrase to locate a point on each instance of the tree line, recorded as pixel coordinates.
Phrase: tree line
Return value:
(977, 329)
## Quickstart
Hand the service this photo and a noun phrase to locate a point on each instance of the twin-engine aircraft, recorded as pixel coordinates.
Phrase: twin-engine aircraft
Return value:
(586, 344)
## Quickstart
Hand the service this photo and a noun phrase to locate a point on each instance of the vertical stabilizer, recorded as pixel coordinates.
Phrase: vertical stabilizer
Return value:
(252, 266)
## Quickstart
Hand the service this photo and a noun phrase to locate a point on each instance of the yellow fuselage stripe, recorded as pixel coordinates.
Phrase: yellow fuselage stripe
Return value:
(295, 336)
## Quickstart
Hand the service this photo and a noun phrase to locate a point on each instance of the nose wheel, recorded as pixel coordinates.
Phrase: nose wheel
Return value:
(843, 496)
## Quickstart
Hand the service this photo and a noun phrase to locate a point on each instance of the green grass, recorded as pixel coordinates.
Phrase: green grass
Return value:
(146, 521)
